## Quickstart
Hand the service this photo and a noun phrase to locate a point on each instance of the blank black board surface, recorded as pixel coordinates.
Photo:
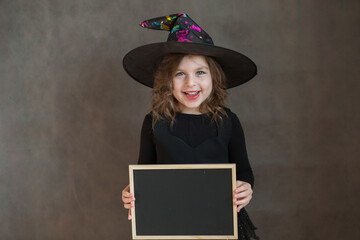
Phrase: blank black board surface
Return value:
(187, 201)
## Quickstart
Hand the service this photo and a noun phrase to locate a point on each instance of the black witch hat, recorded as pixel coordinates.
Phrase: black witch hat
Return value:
(185, 37)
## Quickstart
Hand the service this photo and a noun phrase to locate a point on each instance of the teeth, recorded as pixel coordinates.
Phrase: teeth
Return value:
(192, 93)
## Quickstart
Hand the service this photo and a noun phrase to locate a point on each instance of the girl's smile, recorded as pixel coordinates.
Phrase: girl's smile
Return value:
(192, 95)
(192, 83)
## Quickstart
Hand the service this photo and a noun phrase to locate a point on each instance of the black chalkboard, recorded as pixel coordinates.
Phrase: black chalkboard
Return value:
(189, 201)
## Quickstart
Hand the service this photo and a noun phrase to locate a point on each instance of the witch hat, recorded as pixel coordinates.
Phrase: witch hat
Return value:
(185, 37)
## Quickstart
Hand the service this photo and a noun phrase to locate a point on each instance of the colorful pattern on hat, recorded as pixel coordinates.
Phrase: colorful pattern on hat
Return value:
(181, 27)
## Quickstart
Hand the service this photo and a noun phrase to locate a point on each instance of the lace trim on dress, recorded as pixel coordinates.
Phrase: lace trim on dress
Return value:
(246, 227)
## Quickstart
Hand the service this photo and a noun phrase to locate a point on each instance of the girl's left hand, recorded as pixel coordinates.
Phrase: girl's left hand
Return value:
(242, 194)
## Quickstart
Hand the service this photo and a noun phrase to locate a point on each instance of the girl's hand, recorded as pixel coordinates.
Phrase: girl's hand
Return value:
(242, 194)
(128, 199)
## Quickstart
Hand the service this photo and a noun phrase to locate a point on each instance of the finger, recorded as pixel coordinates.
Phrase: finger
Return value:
(244, 185)
(241, 183)
(127, 200)
(243, 194)
(127, 193)
(243, 201)
(127, 188)
(243, 188)
(128, 205)
(129, 215)
(239, 208)
(238, 183)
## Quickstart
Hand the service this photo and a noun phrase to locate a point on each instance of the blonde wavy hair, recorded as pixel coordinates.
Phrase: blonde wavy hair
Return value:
(165, 105)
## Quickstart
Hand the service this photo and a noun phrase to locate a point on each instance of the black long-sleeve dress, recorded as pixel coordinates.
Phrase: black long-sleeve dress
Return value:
(197, 139)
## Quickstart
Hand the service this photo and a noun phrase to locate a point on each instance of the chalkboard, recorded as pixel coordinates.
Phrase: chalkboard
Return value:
(187, 201)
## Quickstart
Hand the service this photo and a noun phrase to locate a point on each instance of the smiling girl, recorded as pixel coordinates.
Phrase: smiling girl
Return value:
(188, 116)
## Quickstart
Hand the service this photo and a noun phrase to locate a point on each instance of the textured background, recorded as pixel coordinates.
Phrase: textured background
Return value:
(70, 117)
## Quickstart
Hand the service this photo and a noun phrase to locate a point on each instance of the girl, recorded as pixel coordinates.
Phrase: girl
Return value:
(189, 122)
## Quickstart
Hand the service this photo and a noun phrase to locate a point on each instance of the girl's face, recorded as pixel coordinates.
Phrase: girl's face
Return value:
(192, 83)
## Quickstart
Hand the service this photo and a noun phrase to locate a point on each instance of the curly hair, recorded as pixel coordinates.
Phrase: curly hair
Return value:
(165, 105)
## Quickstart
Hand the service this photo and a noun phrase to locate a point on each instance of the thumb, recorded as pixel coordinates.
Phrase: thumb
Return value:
(129, 215)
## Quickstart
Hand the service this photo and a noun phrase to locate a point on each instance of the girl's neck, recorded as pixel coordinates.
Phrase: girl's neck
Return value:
(192, 111)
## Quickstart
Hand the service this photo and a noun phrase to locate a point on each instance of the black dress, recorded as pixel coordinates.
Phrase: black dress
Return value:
(197, 139)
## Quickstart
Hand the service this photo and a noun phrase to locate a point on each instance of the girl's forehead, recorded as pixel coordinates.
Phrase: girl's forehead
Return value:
(193, 61)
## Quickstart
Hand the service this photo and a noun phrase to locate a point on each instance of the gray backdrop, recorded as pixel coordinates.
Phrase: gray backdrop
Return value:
(70, 117)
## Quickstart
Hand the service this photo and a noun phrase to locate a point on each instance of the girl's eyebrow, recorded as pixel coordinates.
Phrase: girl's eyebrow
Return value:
(202, 67)
(199, 68)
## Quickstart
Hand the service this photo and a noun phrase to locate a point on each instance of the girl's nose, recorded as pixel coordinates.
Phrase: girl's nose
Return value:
(190, 81)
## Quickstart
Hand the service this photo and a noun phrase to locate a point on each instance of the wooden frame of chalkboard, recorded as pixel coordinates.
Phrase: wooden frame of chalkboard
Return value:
(185, 201)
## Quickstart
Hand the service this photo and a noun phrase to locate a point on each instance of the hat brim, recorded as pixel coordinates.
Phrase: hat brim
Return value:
(141, 62)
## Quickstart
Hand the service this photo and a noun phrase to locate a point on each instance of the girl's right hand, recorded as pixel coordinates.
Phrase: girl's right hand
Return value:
(128, 199)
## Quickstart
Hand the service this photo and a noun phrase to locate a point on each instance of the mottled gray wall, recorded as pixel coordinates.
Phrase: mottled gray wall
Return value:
(70, 117)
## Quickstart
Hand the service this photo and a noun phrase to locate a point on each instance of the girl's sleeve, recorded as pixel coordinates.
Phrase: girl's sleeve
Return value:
(238, 153)
(147, 153)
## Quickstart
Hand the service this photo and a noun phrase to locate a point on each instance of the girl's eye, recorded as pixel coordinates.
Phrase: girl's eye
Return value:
(200, 72)
(179, 74)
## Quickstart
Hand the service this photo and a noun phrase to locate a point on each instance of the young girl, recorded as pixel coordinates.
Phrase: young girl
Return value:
(189, 122)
